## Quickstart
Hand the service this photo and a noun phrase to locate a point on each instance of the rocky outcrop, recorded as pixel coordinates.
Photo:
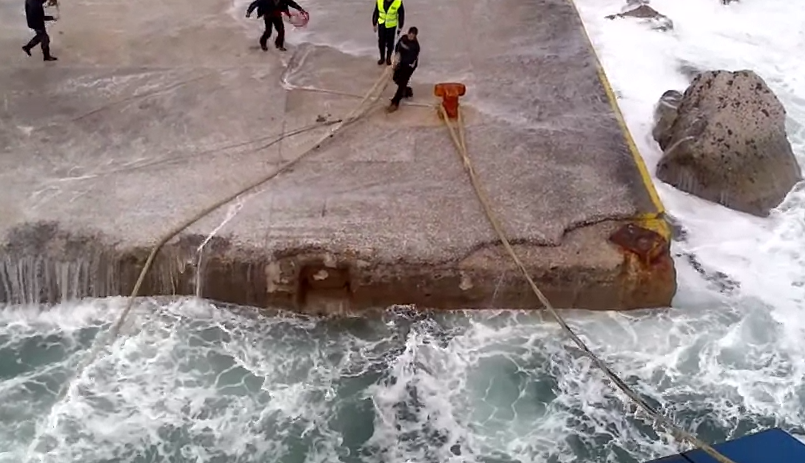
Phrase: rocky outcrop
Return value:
(665, 114)
(724, 140)
(640, 9)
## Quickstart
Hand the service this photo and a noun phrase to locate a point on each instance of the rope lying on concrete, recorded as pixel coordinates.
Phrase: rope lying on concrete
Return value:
(269, 141)
(354, 95)
(359, 111)
(459, 140)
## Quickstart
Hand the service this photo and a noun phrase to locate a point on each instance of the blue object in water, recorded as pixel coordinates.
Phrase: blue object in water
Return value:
(770, 446)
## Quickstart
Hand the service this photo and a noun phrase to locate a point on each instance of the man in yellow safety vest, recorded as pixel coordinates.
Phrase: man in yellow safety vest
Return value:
(388, 20)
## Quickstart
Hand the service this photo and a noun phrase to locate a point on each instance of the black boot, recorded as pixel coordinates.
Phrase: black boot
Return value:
(26, 50)
(46, 52)
(380, 61)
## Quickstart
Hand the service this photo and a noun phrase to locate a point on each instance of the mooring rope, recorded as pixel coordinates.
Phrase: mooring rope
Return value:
(460, 142)
(360, 110)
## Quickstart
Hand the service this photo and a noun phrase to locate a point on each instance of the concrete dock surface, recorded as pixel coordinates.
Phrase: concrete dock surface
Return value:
(157, 109)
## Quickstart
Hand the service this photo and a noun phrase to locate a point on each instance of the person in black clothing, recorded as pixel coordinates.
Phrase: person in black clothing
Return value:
(36, 17)
(271, 11)
(407, 51)
(386, 35)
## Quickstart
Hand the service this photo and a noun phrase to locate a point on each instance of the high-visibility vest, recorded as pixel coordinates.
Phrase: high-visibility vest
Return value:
(388, 18)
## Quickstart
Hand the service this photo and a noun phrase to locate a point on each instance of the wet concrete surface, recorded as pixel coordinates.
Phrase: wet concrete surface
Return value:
(156, 110)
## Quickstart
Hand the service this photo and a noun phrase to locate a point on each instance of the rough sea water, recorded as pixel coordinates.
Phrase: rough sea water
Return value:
(192, 382)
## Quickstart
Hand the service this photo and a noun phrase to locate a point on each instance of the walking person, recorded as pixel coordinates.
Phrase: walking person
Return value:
(36, 17)
(271, 11)
(388, 20)
(407, 51)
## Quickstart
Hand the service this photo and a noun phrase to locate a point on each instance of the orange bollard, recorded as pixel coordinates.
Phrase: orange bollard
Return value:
(449, 93)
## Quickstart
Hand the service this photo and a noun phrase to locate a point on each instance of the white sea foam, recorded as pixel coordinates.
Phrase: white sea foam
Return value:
(740, 347)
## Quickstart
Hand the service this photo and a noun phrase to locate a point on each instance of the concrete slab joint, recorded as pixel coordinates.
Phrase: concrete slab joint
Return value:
(135, 130)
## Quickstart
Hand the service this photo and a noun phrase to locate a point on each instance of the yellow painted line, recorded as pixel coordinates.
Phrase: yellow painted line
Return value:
(653, 221)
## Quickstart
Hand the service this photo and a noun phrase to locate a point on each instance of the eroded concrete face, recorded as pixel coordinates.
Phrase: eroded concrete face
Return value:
(157, 109)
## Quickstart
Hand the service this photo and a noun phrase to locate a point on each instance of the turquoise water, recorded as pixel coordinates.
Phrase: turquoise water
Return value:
(192, 382)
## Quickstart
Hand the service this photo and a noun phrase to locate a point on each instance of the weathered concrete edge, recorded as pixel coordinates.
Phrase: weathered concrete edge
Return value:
(45, 264)
(656, 220)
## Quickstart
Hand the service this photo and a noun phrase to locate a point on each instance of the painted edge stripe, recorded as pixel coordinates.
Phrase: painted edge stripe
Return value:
(648, 183)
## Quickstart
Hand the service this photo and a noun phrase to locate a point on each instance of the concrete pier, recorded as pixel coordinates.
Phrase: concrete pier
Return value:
(157, 109)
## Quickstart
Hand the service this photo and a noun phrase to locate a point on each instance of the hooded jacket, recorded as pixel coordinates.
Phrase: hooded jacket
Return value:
(409, 52)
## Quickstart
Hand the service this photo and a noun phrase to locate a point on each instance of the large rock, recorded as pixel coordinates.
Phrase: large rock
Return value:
(639, 9)
(665, 114)
(726, 142)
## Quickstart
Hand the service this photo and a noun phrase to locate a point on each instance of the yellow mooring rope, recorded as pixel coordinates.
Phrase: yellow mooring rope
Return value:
(459, 140)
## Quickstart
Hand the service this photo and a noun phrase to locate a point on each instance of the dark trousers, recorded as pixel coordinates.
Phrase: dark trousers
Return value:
(43, 38)
(401, 77)
(385, 40)
(276, 21)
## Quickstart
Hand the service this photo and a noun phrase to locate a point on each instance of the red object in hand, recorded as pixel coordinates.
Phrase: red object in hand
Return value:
(298, 18)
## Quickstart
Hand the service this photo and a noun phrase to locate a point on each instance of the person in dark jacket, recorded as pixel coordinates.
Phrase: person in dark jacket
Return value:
(407, 51)
(36, 17)
(271, 11)
(386, 21)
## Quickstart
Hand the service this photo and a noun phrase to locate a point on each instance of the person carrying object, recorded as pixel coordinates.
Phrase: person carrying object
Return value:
(271, 11)
(387, 19)
(406, 62)
(36, 17)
